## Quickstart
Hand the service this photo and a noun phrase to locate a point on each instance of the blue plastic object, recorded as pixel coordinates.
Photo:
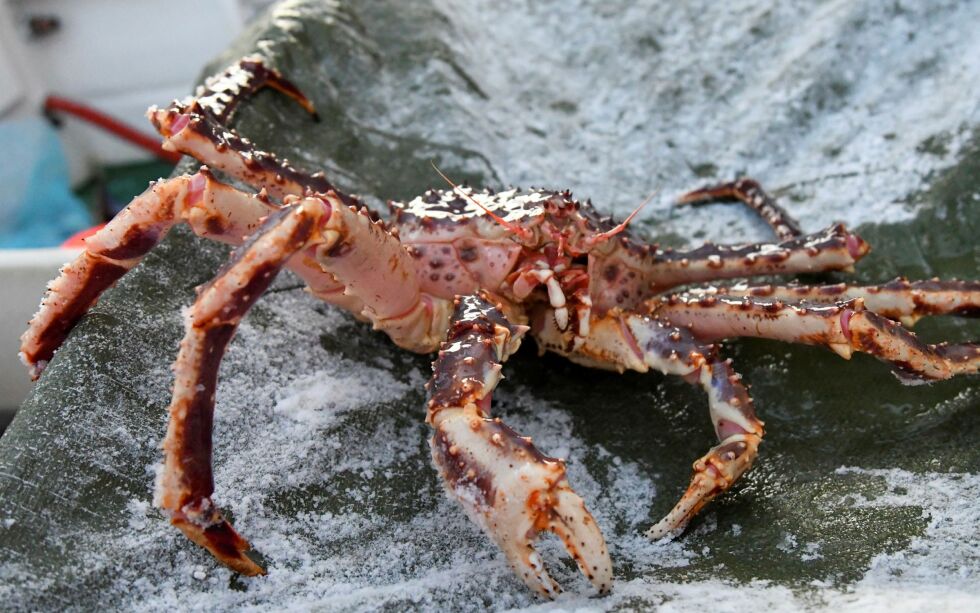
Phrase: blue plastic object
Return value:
(37, 206)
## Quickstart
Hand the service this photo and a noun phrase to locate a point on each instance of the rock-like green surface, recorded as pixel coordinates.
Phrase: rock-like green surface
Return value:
(864, 494)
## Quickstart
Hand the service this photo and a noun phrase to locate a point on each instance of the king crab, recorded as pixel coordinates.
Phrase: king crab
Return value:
(468, 273)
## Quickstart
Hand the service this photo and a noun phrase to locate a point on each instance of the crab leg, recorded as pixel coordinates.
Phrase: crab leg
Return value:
(212, 210)
(222, 93)
(900, 299)
(320, 231)
(835, 248)
(185, 483)
(632, 271)
(625, 340)
(196, 127)
(504, 483)
(843, 328)
(751, 193)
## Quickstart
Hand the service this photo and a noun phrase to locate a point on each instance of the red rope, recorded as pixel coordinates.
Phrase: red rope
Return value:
(110, 124)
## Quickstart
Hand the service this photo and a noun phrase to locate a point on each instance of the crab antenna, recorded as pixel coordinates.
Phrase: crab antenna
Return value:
(515, 229)
(622, 226)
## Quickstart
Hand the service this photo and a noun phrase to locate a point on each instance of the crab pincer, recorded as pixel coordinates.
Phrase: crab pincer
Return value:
(508, 487)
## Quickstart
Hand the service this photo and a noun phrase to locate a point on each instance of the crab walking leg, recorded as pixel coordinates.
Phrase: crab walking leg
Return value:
(504, 483)
(900, 299)
(751, 193)
(843, 328)
(185, 483)
(835, 248)
(197, 127)
(212, 210)
(624, 340)
(321, 231)
(222, 93)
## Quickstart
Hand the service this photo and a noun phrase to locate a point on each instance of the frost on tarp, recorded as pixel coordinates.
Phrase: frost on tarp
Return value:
(858, 111)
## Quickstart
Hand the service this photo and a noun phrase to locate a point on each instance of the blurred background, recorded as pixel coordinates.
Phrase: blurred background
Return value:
(76, 77)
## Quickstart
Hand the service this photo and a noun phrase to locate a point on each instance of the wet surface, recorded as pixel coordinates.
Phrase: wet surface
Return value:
(864, 493)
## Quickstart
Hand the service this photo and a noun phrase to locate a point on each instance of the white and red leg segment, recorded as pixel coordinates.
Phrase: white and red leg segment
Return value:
(185, 482)
(212, 209)
(198, 127)
(623, 340)
(504, 483)
(624, 277)
(749, 192)
(844, 328)
(900, 299)
(322, 232)
(835, 248)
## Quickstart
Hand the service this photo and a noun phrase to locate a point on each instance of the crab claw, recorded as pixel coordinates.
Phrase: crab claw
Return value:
(515, 493)
(508, 487)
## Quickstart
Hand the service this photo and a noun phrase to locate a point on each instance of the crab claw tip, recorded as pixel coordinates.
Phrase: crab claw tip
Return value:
(223, 542)
(515, 493)
(565, 515)
(663, 530)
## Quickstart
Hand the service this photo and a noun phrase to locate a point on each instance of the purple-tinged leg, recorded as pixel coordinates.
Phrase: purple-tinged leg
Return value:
(835, 248)
(751, 193)
(503, 482)
(108, 255)
(221, 94)
(624, 340)
(198, 127)
(631, 272)
(844, 328)
(212, 210)
(900, 299)
(185, 482)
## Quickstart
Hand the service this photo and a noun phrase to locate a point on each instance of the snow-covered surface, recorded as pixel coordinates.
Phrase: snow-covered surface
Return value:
(843, 107)
(330, 430)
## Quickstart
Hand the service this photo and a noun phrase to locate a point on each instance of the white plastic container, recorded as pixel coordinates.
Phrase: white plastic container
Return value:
(24, 275)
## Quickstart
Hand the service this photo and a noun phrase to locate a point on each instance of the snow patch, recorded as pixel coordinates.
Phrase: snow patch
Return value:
(842, 121)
